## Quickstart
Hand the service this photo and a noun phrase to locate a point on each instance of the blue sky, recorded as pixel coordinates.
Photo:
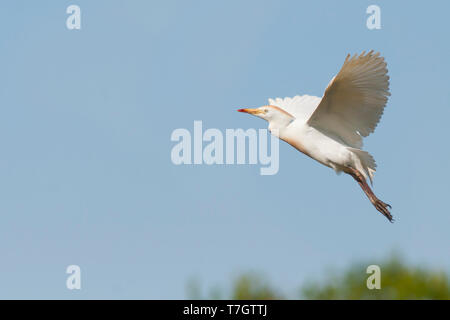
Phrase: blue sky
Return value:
(86, 118)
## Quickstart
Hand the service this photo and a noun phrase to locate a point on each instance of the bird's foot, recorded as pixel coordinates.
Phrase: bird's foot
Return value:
(384, 209)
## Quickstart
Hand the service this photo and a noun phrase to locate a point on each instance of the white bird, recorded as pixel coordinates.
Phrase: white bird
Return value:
(331, 129)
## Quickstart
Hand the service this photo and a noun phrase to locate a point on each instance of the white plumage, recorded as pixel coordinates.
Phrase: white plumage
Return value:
(331, 129)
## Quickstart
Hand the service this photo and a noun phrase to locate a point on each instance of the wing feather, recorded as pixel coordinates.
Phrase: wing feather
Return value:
(354, 100)
(301, 107)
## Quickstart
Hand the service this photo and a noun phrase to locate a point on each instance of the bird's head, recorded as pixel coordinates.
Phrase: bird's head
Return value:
(276, 116)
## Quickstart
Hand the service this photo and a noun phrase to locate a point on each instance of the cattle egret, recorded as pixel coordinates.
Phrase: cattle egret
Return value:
(330, 129)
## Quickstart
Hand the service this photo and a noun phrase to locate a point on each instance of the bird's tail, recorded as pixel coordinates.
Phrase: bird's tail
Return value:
(366, 164)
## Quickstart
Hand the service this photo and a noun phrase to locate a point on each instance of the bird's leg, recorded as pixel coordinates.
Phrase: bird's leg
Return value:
(378, 204)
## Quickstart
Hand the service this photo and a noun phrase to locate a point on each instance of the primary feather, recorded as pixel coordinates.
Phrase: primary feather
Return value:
(354, 100)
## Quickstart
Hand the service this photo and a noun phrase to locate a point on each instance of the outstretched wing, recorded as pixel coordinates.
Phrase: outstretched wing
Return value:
(301, 107)
(354, 100)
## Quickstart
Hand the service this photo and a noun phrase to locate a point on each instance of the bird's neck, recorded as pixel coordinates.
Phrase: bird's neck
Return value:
(277, 125)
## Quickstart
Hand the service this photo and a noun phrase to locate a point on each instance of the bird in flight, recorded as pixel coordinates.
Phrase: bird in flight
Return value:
(331, 129)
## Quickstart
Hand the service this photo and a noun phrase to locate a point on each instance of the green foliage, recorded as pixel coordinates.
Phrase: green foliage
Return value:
(253, 287)
(398, 281)
(248, 286)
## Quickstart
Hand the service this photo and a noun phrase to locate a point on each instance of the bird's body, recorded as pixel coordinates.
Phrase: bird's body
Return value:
(315, 144)
(330, 129)
(321, 147)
